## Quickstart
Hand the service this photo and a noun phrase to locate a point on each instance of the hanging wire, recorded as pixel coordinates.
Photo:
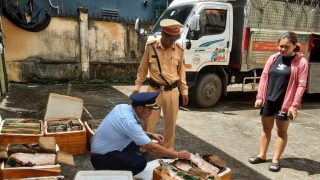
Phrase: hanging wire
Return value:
(286, 4)
(301, 5)
(274, 6)
(246, 10)
(316, 4)
(260, 19)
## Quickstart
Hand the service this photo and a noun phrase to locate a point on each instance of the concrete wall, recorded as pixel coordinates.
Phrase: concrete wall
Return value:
(112, 50)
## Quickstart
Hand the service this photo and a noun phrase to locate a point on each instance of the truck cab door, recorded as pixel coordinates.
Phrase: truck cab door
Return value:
(212, 44)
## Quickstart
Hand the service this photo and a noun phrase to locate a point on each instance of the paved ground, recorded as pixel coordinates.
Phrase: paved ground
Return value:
(231, 129)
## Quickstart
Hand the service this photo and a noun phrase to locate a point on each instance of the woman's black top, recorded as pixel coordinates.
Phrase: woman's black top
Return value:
(279, 75)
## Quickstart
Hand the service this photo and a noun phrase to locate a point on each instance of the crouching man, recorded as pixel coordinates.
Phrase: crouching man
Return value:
(115, 145)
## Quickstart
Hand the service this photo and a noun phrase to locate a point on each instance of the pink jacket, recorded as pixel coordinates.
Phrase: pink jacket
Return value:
(297, 82)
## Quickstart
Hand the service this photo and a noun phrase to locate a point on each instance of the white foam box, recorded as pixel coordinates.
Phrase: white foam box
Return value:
(61, 107)
(104, 175)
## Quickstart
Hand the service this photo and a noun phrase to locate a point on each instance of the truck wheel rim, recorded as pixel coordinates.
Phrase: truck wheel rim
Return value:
(209, 91)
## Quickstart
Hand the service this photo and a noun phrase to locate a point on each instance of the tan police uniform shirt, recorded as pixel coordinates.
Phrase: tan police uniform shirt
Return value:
(171, 62)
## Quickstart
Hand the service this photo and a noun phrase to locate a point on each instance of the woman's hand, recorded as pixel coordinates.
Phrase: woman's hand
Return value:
(258, 103)
(293, 112)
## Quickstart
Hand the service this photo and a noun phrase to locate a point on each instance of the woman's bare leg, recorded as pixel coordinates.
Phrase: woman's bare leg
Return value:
(282, 129)
(267, 125)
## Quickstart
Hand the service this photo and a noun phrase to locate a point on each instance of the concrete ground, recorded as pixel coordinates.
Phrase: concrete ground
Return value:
(231, 129)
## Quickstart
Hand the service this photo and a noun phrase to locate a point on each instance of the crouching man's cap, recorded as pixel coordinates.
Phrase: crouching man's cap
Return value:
(171, 26)
(147, 99)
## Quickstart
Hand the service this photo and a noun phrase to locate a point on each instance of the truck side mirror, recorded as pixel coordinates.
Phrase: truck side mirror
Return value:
(188, 45)
(139, 31)
(195, 26)
(193, 33)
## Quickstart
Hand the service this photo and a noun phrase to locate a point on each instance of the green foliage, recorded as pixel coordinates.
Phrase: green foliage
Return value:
(75, 82)
(97, 81)
(126, 81)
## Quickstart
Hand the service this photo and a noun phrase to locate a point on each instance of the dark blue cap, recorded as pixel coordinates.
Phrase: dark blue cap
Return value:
(147, 99)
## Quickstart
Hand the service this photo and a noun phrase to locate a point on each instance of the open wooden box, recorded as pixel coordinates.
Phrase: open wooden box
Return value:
(9, 138)
(225, 175)
(25, 172)
(90, 131)
(63, 107)
(13, 167)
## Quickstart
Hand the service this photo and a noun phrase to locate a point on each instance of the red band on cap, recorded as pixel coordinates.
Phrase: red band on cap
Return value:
(170, 31)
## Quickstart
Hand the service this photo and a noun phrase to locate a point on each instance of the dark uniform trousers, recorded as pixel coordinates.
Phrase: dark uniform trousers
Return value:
(127, 160)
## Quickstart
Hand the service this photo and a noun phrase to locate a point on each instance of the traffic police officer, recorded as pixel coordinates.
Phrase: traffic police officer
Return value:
(164, 60)
(115, 144)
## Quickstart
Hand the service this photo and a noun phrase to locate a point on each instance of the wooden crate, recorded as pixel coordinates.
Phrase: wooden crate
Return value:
(26, 172)
(90, 133)
(10, 138)
(225, 175)
(60, 107)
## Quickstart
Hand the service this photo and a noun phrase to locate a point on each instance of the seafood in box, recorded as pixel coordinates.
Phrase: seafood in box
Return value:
(197, 167)
(21, 126)
(31, 160)
(64, 124)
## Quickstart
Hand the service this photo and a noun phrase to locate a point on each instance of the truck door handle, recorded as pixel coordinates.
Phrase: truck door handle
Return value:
(228, 44)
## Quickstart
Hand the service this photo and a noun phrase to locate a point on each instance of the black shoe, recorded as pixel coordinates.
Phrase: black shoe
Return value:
(256, 160)
(274, 167)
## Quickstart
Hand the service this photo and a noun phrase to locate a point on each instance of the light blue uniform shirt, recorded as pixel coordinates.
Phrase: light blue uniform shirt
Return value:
(117, 130)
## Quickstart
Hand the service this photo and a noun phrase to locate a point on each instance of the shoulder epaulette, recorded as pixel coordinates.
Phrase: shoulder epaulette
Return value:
(180, 46)
(151, 41)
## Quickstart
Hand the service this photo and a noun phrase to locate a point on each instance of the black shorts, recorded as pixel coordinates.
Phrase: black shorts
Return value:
(271, 108)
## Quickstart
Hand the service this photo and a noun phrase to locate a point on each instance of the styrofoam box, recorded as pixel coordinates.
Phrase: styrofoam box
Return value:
(104, 175)
(62, 106)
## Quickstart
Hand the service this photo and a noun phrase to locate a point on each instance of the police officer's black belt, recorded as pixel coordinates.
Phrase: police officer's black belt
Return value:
(169, 87)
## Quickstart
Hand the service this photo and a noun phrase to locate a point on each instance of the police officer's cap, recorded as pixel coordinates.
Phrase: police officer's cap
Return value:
(171, 26)
(147, 99)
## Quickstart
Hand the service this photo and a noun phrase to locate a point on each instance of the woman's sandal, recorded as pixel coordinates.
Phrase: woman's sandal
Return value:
(256, 160)
(274, 167)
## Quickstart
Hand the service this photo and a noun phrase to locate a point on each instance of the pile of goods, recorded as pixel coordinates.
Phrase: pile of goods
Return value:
(40, 154)
(94, 124)
(21, 126)
(63, 125)
(198, 167)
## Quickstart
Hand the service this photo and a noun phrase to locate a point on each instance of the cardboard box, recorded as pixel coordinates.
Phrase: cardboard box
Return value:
(225, 175)
(62, 107)
(11, 137)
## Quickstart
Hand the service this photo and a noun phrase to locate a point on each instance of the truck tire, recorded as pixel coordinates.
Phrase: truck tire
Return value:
(207, 90)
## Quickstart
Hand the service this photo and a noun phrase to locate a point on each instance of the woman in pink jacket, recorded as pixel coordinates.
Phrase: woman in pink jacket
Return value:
(282, 84)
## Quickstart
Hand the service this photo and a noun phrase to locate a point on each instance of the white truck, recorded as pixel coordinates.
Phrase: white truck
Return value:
(229, 42)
